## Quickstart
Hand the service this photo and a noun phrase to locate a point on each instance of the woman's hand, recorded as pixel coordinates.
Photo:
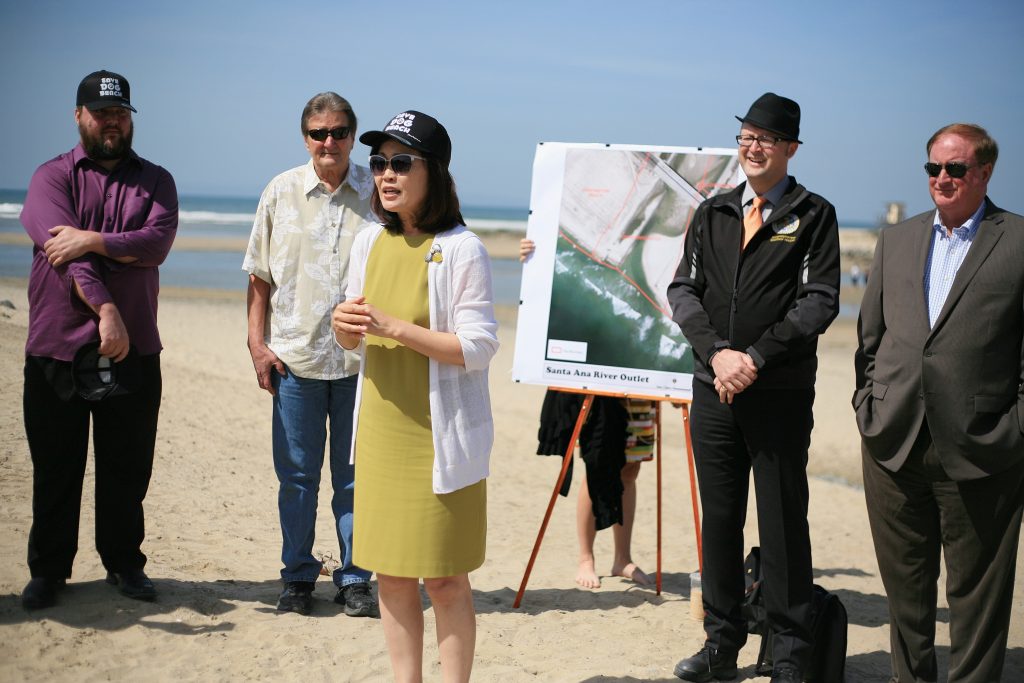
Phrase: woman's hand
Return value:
(352, 320)
(349, 317)
(355, 318)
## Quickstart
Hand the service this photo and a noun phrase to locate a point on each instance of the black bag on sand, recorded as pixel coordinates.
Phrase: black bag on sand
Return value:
(828, 626)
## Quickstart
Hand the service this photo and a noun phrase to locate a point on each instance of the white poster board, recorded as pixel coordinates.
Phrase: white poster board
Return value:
(609, 223)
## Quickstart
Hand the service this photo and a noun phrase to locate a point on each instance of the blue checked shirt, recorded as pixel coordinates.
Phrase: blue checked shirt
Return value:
(945, 258)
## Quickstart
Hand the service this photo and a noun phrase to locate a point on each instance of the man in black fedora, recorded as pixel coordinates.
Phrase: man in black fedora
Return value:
(101, 219)
(759, 281)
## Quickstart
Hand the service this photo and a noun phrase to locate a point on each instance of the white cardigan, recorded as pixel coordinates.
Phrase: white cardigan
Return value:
(462, 302)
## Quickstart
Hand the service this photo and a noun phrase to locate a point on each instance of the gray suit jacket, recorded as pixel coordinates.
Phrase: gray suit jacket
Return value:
(966, 375)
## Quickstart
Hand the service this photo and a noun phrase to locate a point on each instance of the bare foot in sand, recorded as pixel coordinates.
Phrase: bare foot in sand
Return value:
(587, 575)
(633, 573)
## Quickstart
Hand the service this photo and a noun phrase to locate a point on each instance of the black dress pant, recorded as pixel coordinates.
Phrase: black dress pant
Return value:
(124, 437)
(767, 432)
(918, 512)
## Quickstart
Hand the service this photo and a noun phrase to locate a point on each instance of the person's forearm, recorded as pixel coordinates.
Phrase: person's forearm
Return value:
(100, 247)
(114, 340)
(256, 299)
(97, 309)
(444, 347)
(149, 244)
(101, 310)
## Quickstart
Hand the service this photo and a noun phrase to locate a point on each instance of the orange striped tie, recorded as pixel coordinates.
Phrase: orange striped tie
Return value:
(752, 222)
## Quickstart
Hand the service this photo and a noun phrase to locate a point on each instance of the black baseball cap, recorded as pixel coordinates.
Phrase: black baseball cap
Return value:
(102, 89)
(775, 113)
(414, 129)
(96, 377)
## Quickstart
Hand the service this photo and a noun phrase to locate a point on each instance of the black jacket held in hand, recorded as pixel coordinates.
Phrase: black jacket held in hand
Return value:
(773, 298)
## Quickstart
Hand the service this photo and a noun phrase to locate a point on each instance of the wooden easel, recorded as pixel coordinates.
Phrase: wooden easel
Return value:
(567, 460)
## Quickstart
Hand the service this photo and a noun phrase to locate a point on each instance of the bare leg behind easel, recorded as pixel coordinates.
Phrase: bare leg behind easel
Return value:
(622, 564)
(586, 532)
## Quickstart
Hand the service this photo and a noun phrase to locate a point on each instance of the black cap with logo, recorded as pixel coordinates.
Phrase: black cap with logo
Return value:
(96, 377)
(102, 89)
(414, 129)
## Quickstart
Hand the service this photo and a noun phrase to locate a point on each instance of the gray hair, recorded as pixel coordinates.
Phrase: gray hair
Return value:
(328, 102)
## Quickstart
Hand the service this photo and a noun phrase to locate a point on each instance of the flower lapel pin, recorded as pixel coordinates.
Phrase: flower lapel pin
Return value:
(434, 255)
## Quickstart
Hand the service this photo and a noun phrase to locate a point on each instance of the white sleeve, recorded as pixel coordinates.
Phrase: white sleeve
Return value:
(473, 304)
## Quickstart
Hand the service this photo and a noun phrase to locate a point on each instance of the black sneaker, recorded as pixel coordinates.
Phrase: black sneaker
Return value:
(358, 600)
(297, 597)
(707, 665)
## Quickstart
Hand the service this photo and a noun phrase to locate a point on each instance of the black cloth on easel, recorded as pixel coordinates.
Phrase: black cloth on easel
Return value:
(602, 447)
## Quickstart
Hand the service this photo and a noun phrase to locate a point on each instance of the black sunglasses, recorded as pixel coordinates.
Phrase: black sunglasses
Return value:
(320, 134)
(400, 163)
(955, 169)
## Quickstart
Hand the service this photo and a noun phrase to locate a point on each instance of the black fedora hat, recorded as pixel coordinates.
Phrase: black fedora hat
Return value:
(775, 113)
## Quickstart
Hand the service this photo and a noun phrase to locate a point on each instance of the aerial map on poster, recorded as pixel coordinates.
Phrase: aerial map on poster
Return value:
(609, 223)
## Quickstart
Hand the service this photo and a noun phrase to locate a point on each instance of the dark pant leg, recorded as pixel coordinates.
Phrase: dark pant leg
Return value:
(124, 438)
(58, 439)
(723, 473)
(980, 522)
(776, 427)
(904, 520)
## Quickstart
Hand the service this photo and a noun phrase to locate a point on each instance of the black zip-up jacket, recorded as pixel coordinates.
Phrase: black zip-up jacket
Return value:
(773, 298)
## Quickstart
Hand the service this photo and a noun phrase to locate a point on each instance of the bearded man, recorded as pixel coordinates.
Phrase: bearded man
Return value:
(102, 220)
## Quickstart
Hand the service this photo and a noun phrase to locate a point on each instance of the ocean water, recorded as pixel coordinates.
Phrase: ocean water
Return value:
(231, 217)
(201, 216)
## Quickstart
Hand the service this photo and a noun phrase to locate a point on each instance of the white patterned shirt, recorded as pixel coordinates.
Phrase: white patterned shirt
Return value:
(945, 257)
(300, 244)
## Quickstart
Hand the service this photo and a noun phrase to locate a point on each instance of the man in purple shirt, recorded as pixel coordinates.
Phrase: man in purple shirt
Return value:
(101, 219)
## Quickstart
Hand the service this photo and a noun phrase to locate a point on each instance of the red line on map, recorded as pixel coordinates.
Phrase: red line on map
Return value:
(643, 238)
(632, 189)
(704, 187)
(609, 266)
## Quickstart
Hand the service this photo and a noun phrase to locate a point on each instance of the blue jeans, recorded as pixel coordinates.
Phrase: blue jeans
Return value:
(301, 411)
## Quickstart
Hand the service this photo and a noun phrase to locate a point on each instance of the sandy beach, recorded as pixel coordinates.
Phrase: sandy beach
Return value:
(213, 541)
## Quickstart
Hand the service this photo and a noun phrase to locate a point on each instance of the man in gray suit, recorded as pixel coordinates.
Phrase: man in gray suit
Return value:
(940, 408)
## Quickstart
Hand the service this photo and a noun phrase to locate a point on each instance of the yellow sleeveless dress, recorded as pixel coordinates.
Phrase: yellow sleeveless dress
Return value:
(401, 527)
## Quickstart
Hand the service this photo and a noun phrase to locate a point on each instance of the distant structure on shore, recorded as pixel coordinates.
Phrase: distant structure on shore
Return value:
(895, 212)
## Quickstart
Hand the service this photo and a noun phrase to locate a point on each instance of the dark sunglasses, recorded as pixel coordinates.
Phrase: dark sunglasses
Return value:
(400, 163)
(320, 134)
(954, 169)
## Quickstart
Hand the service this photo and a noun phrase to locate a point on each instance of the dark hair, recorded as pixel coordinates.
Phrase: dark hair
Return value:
(328, 102)
(440, 210)
(986, 151)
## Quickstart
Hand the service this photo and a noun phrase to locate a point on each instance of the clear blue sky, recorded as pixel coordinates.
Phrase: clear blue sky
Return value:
(220, 85)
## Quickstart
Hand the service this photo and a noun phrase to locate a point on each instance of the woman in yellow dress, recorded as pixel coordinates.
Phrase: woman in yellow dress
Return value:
(420, 305)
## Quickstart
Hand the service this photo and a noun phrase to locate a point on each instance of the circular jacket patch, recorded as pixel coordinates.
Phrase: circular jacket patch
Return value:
(787, 225)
